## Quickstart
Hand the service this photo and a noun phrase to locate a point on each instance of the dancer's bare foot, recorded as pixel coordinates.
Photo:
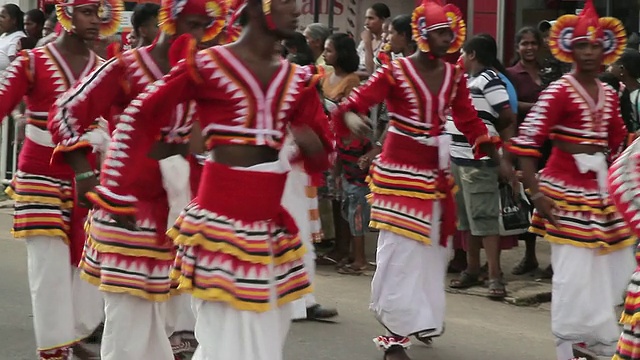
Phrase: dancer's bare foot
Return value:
(396, 352)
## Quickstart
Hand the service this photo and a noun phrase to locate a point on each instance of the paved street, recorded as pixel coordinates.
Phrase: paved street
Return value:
(477, 328)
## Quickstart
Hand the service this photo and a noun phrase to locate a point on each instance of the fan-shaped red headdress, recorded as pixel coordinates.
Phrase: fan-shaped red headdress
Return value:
(109, 11)
(232, 28)
(432, 15)
(240, 5)
(215, 9)
(570, 29)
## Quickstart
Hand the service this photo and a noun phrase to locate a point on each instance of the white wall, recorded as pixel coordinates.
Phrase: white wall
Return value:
(25, 5)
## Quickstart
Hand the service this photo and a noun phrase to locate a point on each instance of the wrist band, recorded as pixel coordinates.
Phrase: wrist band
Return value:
(536, 196)
(378, 144)
(85, 175)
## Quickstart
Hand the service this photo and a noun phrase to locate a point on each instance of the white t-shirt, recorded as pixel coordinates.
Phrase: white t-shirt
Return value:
(361, 54)
(8, 44)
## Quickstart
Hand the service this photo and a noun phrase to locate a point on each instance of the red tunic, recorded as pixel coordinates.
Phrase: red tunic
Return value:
(40, 76)
(117, 259)
(231, 243)
(412, 172)
(566, 112)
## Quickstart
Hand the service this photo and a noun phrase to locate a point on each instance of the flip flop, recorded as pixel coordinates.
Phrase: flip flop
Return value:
(465, 281)
(497, 290)
(326, 260)
(350, 270)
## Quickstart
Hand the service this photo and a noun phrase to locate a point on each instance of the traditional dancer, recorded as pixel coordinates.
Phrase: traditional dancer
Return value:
(131, 262)
(65, 309)
(241, 258)
(623, 176)
(145, 24)
(411, 184)
(589, 240)
(297, 203)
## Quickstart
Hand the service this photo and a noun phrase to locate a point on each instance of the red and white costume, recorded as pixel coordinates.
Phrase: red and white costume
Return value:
(65, 310)
(298, 202)
(411, 185)
(132, 266)
(241, 259)
(117, 260)
(590, 248)
(623, 183)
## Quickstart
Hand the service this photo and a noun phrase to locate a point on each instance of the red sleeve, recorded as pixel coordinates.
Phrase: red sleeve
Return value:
(310, 112)
(137, 129)
(75, 112)
(361, 99)
(539, 121)
(15, 83)
(465, 116)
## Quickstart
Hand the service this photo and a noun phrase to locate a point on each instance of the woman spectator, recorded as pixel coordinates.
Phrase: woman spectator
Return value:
(49, 30)
(33, 26)
(478, 197)
(526, 78)
(526, 71)
(371, 37)
(11, 25)
(298, 51)
(340, 53)
(400, 36)
(627, 70)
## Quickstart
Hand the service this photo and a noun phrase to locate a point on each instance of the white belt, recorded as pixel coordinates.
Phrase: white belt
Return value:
(39, 136)
(596, 163)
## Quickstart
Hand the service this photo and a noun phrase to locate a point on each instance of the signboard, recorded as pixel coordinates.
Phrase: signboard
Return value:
(348, 15)
(125, 24)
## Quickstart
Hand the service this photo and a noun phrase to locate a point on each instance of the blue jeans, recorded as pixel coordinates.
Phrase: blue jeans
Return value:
(355, 207)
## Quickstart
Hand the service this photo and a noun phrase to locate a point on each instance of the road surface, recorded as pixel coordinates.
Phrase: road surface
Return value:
(477, 329)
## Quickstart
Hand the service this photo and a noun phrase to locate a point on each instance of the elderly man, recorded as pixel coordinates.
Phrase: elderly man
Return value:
(316, 35)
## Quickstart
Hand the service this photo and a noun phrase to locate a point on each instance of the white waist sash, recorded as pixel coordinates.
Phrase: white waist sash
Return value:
(596, 163)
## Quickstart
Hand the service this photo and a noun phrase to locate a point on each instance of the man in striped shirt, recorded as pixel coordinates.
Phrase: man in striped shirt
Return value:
(478, 198)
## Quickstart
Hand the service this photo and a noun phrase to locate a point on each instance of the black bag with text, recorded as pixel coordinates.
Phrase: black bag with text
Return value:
(515, 213)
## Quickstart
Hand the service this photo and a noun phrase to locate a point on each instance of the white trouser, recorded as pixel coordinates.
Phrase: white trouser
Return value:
(297, 203)
(180, 316)
(408, 287)
(226, 333)
(583, 300)
(622, 265)
(134, 329)
(175, 180)
(65, 308)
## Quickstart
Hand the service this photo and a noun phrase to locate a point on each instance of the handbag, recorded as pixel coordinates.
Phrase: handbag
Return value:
(515, 211)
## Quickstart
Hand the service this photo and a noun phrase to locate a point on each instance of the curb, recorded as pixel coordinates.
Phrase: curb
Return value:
(519, 292)
(6, 204)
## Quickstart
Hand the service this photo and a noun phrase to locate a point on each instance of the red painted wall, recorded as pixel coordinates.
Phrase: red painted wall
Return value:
(485, 17)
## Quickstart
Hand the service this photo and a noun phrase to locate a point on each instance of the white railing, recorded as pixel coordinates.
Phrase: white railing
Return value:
(8, 151)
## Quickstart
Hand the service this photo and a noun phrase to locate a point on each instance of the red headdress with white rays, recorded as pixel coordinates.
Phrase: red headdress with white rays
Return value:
(215, 9)
(432, 15)
(109, 11)
(570, 29)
